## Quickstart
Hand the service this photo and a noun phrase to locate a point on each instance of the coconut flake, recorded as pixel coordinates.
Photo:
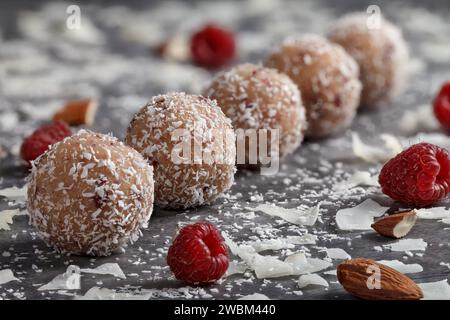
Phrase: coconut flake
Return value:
(307, 217)
(407, 245)
(15, 194)
(359, 217)
(337, 253)
(402, 267)
(359, 178)
(311, 279)
(235, 267)
(6, 275)
(69, 280)
(392, 147)
(433, 213)
(6, 218)
(418, 120)
(255, 296)
(304, 265)
(107, 269)
(439, 290)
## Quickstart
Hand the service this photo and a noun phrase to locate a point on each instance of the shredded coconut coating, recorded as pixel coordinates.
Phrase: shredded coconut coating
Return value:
(327, 78)
(90, 194)
(255, 97)
(382, 55)
(187, 184)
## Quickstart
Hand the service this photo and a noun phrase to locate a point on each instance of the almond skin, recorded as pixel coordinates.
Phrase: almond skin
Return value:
(396, 225)
(354, 276)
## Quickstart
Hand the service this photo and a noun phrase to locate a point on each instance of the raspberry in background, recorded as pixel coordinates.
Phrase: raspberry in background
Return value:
(441, 106)
(39, 141)
(198, 255)
(213, 47)
(418, 176)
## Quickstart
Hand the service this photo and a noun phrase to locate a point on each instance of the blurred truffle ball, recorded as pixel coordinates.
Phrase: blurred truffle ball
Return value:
(327, 78)
(381, 53)
(255, 97)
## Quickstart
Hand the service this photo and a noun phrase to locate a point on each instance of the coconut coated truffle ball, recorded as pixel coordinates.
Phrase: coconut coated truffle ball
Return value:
(381, 53)
(327, 78)
(90, 194)
(190, 143)
(255, 97)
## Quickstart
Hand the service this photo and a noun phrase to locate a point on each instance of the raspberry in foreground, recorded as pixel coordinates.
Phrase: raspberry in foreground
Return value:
(212, 47)
(441, 106)
(198, 255)
(39, 141)
(418, 176)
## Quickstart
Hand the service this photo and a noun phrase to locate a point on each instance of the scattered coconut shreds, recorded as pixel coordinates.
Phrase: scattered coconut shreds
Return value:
(439, 290)
(311, 280)
(433, 213)
(15, 194)
(307, 217)
(420, 119)
(402, 267)
(6, 218)
(96, 293)
(69, 280)
(272, 267)
(407, 245)
(255, 296)
(337, 253)
(371, 154)
(282, 243)
(6, 275)
(359, 217)
(359, 178)
(107, 269)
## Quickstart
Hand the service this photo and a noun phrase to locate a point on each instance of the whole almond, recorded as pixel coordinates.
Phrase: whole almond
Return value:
(370, 280)
(396, 225)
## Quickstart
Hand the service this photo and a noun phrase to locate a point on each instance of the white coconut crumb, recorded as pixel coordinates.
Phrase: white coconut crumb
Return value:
(15, 194)
(439, 290)
(359, 217)
(69, 280)
(331, 273)
(402, 267)
(407, 245)
(311, 280)
(6, 217)
(306, 217)
(433, 213)
(420, 119)
(107, 269)
(359, 178)
(6, 275)
(255, 296)
(372, 154)
(337, 253)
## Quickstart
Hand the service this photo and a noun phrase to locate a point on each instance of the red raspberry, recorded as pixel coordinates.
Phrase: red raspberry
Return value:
(39, 141)
(441, 106)
(418, 176)
(198, 255)
(213, 47)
